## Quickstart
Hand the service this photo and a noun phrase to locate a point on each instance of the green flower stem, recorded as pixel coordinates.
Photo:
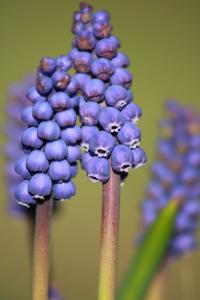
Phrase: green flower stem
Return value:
(109, 237)
(150, 255)
(41, 251)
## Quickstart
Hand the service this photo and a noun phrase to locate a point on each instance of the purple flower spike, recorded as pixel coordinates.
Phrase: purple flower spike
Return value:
(102, 68)
(22, 195)
(85, 41)
(28, 118)
(120, 60)
(56, 150)
(21, 168)
(98, 169)
(61, 80)
(94, 90)
(59, 101)
(102, 144)
(31, 139)
(129, 135)
(47, 65)
(71, 135)
(107, 47)
(48, 130)
(82, 62)
(139, 157)
(111, 119)
(34, 96)
(66, 118)
(74, 154)
(64, 62)
(64, 190)
(122, 77)
(89, 113)
(37, 162)
(40, 186)
(105, 81)
(42, 111)
(59, 170)
(117, 96)
(132, 112)
(122, 159)
(87, 133)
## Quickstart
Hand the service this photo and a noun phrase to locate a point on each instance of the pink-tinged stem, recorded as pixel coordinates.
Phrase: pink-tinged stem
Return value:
(41, 251)
(109, 237)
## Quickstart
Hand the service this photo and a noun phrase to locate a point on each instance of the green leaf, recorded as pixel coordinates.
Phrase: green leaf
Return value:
(150, 254)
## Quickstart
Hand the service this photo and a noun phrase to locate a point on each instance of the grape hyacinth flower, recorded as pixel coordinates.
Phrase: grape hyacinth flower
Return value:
(51, 130)
(19, 116)
(175, 176)
(107, 82)
(110, 137)
(171, 209)
(50, 142)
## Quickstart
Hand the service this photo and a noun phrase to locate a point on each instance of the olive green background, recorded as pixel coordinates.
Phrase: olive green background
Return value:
(162, 39)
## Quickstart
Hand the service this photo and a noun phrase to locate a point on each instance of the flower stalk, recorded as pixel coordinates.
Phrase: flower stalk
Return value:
(109, 237)
(41, 251)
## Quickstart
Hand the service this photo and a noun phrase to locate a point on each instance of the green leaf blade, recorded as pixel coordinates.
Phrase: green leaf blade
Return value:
(150, 254)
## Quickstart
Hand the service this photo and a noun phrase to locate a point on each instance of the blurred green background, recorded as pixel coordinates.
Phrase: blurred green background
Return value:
(162, 39)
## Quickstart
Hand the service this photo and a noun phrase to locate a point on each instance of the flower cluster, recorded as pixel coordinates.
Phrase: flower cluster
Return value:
(176, 175)
(51, 135)
(107, 113)
(16, 101)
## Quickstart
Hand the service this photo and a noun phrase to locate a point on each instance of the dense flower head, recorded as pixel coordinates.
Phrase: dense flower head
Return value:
(176, 175)
(50, 138)
(107, 112)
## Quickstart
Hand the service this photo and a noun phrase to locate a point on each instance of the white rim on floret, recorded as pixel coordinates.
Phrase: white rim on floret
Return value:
(125, 167)
(134, 144)
(23, 204)
(139, 165)
(39, 197)
(102, 152)
(114, 127)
